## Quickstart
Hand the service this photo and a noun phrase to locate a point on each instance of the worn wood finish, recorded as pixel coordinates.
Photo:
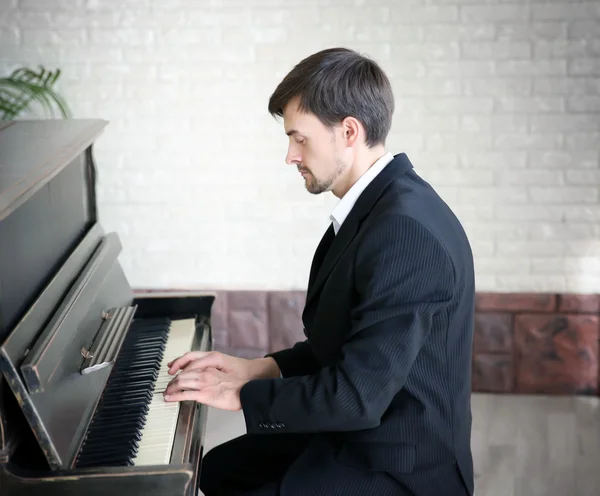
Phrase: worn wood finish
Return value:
(47, 204)
(59, 274)
(33, 152)
(152, 481)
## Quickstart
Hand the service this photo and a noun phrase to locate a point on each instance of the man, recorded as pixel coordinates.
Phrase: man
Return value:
(376, 400)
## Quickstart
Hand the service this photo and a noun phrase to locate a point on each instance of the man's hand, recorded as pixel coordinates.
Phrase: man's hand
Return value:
(242, 368)
(209, 386)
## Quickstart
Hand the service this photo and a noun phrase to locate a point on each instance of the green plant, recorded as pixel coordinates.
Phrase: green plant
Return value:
(26, 86)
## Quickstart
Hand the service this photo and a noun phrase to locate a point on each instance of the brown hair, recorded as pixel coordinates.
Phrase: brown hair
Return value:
(336, 83)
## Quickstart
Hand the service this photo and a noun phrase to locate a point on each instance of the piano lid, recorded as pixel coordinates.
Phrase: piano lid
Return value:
(32, 152)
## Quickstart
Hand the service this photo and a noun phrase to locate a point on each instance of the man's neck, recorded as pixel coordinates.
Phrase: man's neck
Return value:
(355, 172)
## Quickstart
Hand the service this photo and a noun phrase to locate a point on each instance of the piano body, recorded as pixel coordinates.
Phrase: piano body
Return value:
(83, 357)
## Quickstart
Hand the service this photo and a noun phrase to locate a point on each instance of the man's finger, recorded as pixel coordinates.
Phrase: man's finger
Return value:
(213, 360)
(185, 385)
(184, 396)
(185, 359)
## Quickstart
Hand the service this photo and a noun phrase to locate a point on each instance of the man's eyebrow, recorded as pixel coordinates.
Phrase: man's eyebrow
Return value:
(291, 132)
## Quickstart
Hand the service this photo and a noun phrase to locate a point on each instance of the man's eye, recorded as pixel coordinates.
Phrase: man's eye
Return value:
(300, 141)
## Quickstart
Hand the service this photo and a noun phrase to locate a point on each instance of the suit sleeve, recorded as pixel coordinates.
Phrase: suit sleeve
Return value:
(403, 277)
(295, 361)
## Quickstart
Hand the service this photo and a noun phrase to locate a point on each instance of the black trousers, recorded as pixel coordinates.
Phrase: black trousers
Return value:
(250, 465)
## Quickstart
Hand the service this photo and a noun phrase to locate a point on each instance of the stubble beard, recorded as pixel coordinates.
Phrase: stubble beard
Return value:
(316, 186)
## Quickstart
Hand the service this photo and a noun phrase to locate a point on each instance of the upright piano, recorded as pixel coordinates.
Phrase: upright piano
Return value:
(83, 356)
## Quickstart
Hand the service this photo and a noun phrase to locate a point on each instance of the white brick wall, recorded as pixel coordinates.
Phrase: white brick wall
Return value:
(498, 105)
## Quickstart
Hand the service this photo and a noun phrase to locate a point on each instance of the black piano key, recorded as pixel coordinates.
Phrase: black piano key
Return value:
(114, 432)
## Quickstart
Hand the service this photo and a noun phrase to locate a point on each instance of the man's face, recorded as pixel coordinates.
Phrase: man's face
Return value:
(316, 150)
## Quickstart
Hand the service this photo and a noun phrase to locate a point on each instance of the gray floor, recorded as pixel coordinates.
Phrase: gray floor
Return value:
(522, 445)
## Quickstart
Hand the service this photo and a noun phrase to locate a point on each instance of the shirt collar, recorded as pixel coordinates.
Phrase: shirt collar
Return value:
(343, 208)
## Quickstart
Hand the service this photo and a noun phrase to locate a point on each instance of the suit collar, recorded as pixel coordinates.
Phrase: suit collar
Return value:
(326, 259)
(344, 206)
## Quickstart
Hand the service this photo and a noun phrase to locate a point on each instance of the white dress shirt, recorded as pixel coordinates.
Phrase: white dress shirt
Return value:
(343, 208)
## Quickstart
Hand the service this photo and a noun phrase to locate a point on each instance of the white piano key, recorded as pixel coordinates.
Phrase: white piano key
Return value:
(158, 433)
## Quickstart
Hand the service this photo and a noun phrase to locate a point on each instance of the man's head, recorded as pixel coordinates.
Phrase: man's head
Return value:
(337, 108)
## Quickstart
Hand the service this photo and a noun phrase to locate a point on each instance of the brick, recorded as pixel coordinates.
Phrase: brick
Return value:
(584, 67)
(556, 354)
(420, 14)
(241, 352)
(586, 213)
(53, 37)
(561, 231)
(530, 104)
(122, 37)
(583, 283)
(528, 177)
(583, 177)
(531, 282)
(564, 194)
(579, 303)
(582, 141)
(220, 312)
(464, 69)
(587, 266)
(10, 36)
(588, 29)
(494, 159)
(560, 160)
(512, 265)
(564, 123)
(366, 14)
(497, 86)
(528, 141)
(566, 11)
(248, 328)
(530, 248)
(285, 318)
(247, 300)
(399, 33)
(513, 302)
(583, 248)
(531, 67)
(529, 213)
(493, 333)
(559, 49)
(492, 373)
(498, 50)
(427, 51)
(220, 339)
(566, 86)
(451, 33)
(50, 5)
(457, 105)
(588, 104)
(539, 30)
(473, 141)
(494, 13)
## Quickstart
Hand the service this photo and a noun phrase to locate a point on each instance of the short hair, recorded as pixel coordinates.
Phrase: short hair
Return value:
(336, 83)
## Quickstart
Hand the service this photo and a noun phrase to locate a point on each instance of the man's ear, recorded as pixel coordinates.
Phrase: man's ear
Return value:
(351, 130)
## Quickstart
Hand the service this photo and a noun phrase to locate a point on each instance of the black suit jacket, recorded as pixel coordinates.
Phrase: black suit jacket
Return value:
(384, 375)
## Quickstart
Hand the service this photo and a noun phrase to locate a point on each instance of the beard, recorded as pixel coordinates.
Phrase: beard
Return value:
(316, 186)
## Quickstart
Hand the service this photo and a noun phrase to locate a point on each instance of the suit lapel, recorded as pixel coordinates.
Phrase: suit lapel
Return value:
(363, 206)
(320, 253)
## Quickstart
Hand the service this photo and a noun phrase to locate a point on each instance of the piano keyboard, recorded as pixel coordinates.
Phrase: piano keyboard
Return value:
(159, 431)
(133, 425)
